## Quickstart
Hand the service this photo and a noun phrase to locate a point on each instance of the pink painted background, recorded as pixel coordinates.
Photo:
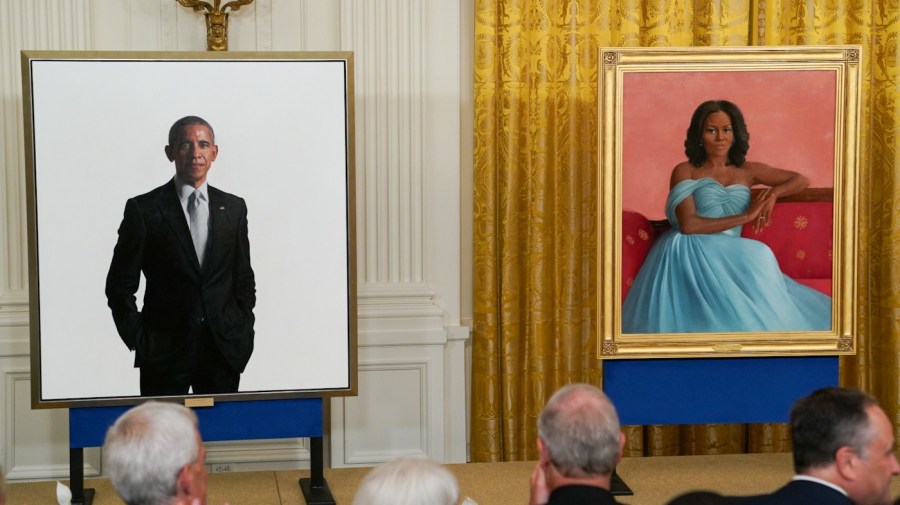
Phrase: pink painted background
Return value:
(790, 116)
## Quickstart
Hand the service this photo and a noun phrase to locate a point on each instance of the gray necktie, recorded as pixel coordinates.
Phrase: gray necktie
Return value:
(199, 217)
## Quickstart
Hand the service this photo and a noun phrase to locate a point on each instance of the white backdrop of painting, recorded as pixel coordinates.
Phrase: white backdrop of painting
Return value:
(99, 129)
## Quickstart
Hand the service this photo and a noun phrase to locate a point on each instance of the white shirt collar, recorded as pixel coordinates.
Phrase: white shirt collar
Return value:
(184, 190)
(810, 478)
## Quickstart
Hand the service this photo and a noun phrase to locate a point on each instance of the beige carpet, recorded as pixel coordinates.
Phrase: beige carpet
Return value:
(654, 481)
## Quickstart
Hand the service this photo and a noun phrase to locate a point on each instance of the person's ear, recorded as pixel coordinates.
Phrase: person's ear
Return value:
(543, 454)
(621, 447)
(169, 153)
(846, 463)
(215, 152)
(184, 484)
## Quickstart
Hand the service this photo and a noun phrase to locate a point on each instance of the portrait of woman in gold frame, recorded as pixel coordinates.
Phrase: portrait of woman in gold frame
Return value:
(800, 108)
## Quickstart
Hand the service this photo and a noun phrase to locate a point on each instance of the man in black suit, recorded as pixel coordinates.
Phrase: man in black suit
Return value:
(189, 239)
(843, 453)
(579, 444)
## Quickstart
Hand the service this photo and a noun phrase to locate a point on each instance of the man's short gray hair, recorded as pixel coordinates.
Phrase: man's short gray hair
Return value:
(147, 447)
(408, 481)
(580, 430)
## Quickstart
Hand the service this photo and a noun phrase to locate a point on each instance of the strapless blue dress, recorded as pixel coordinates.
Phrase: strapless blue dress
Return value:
(717, 282)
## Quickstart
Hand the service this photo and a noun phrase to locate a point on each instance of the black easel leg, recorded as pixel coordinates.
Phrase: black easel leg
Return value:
(315, 489)
(618, 487)
(80, 495)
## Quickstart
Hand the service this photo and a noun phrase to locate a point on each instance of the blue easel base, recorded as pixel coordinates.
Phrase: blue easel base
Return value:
(245, 420)
(714, 390)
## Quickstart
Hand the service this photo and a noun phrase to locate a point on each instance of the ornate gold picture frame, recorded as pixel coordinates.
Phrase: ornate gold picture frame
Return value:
(802, 111)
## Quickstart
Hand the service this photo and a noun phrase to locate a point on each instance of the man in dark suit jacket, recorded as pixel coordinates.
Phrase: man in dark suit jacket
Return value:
(195, 329)
(843, 453)
(579, 444)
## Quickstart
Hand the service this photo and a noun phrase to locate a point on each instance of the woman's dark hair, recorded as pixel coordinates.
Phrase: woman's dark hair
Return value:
(693, 144)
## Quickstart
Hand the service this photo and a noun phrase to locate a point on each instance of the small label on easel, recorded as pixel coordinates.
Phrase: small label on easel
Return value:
(199, 402)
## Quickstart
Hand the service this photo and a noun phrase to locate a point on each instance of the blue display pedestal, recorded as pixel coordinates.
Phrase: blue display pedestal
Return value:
(247, 420)
(714, 390)
(711, 391)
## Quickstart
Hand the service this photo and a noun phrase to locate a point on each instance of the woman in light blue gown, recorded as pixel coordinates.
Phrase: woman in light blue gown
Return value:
(701, 275)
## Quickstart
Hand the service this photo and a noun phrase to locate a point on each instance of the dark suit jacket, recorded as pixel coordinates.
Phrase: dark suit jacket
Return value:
(154, 238)
(796, 492)
(700, 498)
(581, 495)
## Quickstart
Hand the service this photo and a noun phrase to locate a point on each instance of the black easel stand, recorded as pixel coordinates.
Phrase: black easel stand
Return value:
(80, 495)
(315, 489)
(618, 487)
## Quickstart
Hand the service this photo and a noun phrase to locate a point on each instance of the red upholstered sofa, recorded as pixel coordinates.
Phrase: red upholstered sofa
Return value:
(800, 236)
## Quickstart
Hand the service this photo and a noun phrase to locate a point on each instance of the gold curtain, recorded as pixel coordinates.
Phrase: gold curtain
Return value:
(535, 221)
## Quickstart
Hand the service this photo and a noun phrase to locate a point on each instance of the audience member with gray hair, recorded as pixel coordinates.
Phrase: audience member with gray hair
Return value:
(579, 444)
(408, 481)
(154, 456)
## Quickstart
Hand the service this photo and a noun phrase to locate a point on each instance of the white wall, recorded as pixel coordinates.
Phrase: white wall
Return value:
(413, 84)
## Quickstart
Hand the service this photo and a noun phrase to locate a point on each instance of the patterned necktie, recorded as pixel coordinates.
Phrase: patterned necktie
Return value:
(199, 217)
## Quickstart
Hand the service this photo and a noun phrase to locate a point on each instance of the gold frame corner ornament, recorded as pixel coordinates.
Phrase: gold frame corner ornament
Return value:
(216, 20)
(610, 58)
(618, 62)
(609, 349)
(846, 344)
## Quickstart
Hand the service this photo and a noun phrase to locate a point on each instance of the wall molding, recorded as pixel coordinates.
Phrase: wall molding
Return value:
(15, 347)
(421, 366)
(390, 156)
(11, 377)
(57, 471)
(255, 451)
(168, 26)
(263, 18)
(14, 312)
(404, 314)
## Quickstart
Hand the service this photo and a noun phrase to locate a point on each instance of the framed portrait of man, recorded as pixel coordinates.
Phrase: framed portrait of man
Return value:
(727, 201)
(191, 225)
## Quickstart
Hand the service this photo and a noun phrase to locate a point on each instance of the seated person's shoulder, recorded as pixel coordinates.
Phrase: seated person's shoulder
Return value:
(682, 171)
(699, 498)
